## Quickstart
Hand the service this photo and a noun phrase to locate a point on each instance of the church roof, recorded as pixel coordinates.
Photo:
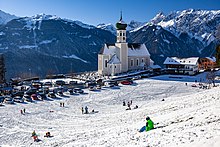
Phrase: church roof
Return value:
(108, 49)
(137, 49)
(114, 60)
(134, 49)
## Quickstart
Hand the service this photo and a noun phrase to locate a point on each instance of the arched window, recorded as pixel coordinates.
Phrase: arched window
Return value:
(137, 62)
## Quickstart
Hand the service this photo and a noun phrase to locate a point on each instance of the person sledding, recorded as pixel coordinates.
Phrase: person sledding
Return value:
(149, 124)
(34, 135)
(48, 134)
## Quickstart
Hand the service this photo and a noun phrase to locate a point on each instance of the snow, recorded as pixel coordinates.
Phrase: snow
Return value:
(2, 33)
(189, 116)
(47, 41)
(75, 57)
(166, 24)
(86, 37)
(5, 17)
(183, 61)
(138, 52)
(27, 46)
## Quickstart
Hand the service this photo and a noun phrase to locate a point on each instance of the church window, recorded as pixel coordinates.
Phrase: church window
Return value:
(120, 34)
(115, 66)
(123, 38)
(123, 34)
(137, 62)
(142, 60)
(132, 62)
(106, 61)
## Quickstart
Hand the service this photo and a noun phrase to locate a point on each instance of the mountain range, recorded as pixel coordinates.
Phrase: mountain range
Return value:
(46, 44)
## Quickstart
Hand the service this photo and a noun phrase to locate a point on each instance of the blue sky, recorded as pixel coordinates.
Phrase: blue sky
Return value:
(103, 11)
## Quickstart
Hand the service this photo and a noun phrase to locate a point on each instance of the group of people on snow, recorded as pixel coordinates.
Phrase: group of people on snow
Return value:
(129, 105)
(35, 136)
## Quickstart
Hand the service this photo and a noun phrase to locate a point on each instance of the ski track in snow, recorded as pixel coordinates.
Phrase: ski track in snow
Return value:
(189, 116)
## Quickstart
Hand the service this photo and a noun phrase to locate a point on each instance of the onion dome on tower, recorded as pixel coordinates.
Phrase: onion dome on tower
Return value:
(121, 25)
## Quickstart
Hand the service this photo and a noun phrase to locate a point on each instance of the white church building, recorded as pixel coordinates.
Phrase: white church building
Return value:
(121, 56)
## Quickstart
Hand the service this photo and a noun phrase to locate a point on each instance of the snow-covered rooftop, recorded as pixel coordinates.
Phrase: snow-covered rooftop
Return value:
(114, 60)
(181, 61)
(134, 49)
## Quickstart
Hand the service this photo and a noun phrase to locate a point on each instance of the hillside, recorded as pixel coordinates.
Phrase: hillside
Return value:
(48, 44)
(188, 116)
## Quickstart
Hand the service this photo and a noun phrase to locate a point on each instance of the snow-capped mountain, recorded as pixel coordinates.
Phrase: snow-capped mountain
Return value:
(111, 28)
(5, 17)
(59, 43)
(200, 24)
(182, 33)
(108, 27)
(46, 43)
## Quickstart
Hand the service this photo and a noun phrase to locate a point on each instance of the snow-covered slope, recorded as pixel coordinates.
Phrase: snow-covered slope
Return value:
(5, 17)
(188, 116)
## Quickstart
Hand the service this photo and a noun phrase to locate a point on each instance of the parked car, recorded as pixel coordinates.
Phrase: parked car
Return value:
(42, 96)
(71, 91)
(18, 93)
(60, 82)
(18, 99)
(91, 88)
(78, 90)
(34, 97)
(8, 100)
(60, 92)
(72, 82)
(2, 99)
(31, 91)
(98, 87)
(111, 83)
(48, 84)
(27, 98)
(52, 95)
(126, 82)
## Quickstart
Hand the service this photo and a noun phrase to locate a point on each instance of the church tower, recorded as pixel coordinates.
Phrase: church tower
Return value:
(122, 44)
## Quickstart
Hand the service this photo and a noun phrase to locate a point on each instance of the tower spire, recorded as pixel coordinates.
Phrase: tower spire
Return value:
(121, 16)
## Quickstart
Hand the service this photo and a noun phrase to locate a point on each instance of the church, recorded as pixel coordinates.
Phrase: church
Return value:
(121, 56)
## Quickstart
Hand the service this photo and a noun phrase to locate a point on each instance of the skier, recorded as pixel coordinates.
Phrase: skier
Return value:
(21, 111)
(63, 104)
(24, 110)
(149, 124)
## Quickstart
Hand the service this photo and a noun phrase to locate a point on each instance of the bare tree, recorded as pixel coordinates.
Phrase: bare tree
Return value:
(210, 76)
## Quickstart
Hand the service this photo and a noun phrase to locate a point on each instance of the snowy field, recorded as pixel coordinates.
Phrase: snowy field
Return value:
(188, 116)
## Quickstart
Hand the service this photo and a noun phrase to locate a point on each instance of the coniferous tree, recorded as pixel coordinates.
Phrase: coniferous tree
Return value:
(217, 55)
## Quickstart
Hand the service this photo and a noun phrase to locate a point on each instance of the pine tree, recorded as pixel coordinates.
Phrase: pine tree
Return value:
(217, 55)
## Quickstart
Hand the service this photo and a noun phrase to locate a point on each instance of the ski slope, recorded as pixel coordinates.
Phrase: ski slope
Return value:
(188, 116)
